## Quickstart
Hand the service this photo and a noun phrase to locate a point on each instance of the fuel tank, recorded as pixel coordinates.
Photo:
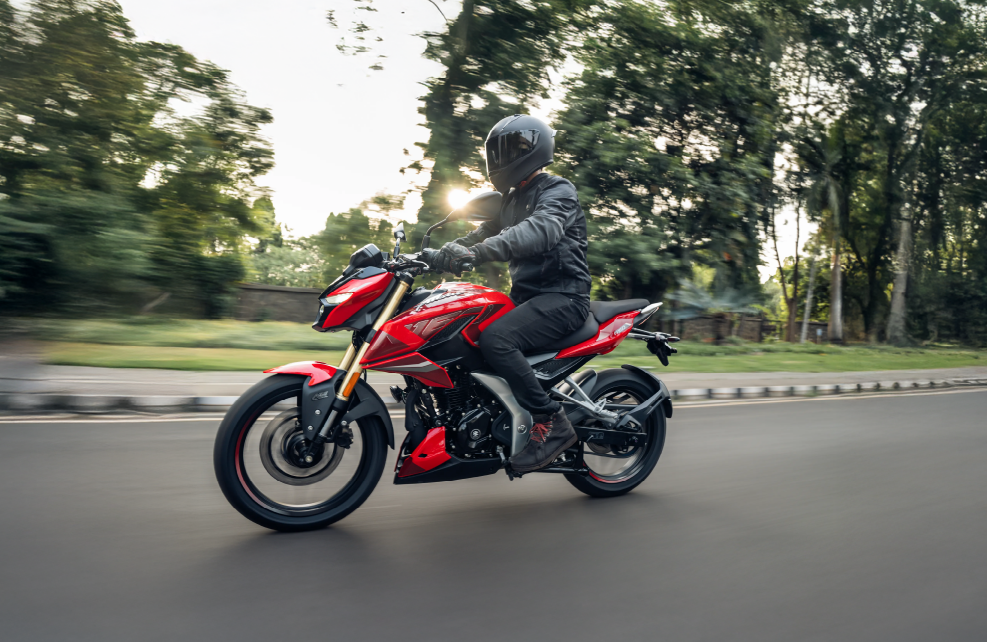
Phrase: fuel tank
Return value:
(442, 328)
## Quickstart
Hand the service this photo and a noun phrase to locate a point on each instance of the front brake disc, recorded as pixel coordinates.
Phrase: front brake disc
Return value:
(279, 452)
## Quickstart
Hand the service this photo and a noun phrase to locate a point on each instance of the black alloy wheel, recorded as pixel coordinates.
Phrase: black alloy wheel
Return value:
(268, 472)
(614, 470)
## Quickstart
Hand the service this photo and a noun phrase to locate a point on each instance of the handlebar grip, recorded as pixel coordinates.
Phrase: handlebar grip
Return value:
(466, 266)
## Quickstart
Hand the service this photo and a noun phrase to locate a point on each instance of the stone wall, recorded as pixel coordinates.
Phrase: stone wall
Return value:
(818, 332)
(755, 329)
(716, 327)
(257, 302)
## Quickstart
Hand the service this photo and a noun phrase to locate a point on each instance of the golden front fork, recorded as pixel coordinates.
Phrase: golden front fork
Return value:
(347, 358)
(353, 357)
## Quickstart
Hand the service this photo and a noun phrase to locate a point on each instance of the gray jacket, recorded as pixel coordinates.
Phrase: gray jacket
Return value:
(542, 233)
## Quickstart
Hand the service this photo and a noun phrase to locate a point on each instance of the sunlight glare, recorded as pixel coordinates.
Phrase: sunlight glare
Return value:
(458, 198)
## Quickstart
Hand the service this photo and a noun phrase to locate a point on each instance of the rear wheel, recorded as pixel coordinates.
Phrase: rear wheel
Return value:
(612, 470)
(269, 475)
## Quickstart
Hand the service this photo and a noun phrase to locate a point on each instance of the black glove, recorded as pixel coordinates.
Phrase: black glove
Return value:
(434, 258)
(661, 349)
(454, 256)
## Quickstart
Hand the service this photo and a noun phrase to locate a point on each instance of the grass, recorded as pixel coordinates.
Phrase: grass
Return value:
(187, 333)
(239, 345)
(169, 358)
(699, 357)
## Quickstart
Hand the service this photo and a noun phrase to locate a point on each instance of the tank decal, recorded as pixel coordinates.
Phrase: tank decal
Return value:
(417, 366)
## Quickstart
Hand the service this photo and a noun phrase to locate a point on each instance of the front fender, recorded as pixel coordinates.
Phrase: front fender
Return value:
(317, 397)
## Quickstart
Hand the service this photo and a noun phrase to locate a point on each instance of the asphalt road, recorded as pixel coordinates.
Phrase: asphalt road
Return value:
(835, 519)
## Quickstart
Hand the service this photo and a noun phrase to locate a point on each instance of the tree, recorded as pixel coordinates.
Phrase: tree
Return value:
(496, 58)
(669, 135)
(902, 62)
(105, 195)
(822, 159)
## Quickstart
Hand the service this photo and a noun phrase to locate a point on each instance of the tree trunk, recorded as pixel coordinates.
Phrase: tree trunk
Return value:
(835, 328)
(793, 311)
(792, 321)
(897, 332)
(791, 302)
(813, 268)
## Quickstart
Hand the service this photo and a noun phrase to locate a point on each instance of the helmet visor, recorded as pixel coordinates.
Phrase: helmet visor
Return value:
(506, 148)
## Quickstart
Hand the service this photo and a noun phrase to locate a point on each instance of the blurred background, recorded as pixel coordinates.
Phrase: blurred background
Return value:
(777, 172)
(803, 183)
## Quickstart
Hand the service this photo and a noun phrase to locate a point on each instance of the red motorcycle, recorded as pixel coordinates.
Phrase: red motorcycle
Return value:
(306, 446)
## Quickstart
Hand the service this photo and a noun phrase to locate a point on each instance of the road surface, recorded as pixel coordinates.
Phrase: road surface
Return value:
(829, 519)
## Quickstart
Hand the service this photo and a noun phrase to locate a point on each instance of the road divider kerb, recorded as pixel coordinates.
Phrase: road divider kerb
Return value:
(26, 403)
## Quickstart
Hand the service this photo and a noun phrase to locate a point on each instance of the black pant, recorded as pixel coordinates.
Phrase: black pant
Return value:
(536, 322)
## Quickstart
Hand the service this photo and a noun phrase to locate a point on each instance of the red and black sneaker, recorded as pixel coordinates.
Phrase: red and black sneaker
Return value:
(550, 437)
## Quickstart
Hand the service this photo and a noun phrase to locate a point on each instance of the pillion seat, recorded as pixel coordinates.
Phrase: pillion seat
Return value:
(606, 310)
(599, 312)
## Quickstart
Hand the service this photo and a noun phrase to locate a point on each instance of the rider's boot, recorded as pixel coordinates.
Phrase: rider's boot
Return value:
(550, 437)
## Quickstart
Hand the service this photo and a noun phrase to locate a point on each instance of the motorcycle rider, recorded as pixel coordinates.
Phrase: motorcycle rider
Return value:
(541, 231)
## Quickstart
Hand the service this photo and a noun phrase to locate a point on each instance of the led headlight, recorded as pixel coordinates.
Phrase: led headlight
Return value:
(336, 299)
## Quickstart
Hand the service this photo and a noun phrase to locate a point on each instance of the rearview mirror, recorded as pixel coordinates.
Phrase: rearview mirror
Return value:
(485, 206)
(399, 231)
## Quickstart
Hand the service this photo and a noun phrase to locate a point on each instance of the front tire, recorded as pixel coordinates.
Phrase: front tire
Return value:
(291, 502)
(632, 467)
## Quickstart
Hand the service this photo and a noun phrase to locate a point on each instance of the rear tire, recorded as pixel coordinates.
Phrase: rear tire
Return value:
(231, 453)
(614, 383)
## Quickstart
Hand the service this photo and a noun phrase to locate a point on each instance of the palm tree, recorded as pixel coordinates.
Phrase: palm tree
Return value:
(823, 159)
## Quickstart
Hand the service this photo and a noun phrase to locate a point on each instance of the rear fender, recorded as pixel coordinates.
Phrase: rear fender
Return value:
(317, 397)
(657, 385)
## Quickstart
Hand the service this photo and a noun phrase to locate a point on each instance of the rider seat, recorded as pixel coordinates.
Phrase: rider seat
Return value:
(599, 312)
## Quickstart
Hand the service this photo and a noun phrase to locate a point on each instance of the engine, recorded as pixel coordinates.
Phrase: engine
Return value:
(467, 411)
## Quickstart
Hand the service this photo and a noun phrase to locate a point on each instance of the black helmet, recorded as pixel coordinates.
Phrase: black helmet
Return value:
(517, 147)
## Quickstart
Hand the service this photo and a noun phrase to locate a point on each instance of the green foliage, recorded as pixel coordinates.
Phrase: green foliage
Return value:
(185, 333)
(107, 197)
(344, 234)
(694, 300)
(496, 62)
(687, 128)
(667, 133)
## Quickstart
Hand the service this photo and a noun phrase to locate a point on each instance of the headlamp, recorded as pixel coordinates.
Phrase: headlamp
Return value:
(336, 299)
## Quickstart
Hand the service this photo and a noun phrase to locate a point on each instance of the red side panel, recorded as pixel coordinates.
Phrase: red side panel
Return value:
(609, 337)
(417, 366)
(315, 370)
(429, 454)
(383, 346)
(411, 329)
(364, 291)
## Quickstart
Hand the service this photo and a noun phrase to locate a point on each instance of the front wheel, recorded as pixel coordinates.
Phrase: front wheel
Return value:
(268, 474)
(612, 470)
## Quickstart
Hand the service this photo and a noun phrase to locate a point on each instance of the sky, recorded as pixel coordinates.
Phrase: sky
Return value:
(340, 129)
